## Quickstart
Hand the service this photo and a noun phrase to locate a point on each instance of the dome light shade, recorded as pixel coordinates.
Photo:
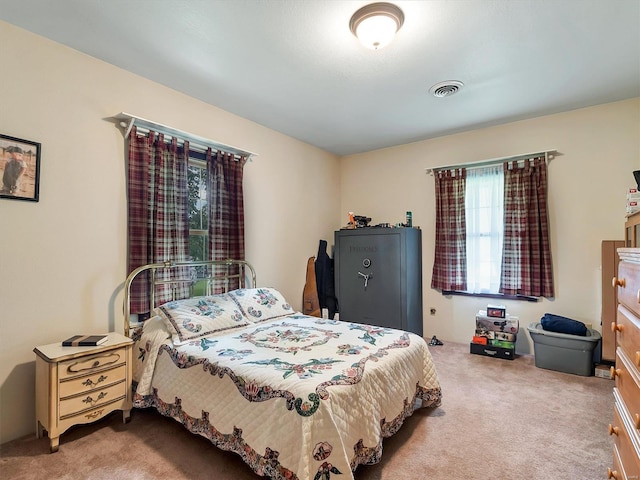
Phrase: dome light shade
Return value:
(376, 24)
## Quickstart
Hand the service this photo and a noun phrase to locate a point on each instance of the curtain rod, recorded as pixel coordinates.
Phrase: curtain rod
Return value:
(127, 121)
(548, 155)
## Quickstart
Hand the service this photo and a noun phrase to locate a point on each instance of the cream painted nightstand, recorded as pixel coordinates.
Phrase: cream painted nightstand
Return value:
(77, 385)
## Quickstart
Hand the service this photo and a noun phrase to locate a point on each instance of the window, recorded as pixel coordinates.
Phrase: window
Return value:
(484, 193)
(198, 222)
(198, 209)
(492, 231)
(174, 192)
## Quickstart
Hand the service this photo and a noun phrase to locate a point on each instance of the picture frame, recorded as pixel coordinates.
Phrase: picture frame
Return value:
(19, 169)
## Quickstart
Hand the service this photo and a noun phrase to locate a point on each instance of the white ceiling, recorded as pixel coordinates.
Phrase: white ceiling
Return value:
(294, 66)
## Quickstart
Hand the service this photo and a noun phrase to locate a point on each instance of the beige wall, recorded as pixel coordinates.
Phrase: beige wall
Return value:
(599, 148)
(62, 260)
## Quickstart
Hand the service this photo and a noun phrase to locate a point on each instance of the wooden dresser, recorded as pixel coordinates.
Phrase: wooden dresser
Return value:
(625, 428)
(77, 385)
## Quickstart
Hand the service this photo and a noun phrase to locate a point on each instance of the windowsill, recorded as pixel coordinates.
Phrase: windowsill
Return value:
(525, 298)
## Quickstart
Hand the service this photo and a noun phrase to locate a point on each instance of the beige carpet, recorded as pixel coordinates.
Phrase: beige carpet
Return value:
(499, 419)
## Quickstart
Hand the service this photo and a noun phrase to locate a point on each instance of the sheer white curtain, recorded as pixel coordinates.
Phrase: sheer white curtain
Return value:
(485, 228)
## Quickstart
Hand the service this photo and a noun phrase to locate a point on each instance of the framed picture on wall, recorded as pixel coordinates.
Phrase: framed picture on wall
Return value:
(19, 169)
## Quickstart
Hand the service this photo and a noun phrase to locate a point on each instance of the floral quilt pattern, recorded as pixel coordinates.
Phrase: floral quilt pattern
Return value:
(302, 360)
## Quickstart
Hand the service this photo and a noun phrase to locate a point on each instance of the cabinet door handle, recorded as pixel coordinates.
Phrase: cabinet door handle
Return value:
(618, 282)
(612, 474)
(616, 328)
(615, 373)
(366, 277)
(613, 430)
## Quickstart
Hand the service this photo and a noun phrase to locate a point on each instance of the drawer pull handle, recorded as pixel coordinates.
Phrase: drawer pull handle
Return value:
(101, 361)
(95, 414)
(636, 421)
(638, 359)
(614, 373)
(92, 401)
(616, 328)
(613, 430)
(612, 473)
(618, 282)
(88, 382)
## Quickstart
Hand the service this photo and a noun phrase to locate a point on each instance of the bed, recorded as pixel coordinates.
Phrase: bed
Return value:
(297, 397)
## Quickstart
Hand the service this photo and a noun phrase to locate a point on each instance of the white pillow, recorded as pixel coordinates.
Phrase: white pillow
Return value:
(261, 304)
(197, 317)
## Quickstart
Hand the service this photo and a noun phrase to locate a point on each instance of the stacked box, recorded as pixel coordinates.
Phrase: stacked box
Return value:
(498, 311)
(495, 336)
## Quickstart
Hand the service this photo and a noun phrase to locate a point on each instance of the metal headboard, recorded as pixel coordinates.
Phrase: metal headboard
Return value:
(244, 271)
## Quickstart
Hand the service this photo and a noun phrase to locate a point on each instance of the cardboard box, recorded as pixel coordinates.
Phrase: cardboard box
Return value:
(603, 371)
(496, 311)
(502, 343)
(509, 324)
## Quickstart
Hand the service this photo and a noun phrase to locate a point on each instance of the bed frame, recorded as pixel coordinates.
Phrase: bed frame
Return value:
(237, 270)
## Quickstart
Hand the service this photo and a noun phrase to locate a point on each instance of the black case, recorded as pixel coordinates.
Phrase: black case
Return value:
(491, 351)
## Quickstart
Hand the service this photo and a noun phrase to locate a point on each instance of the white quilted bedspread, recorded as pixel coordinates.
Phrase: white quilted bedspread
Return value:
(297, 397)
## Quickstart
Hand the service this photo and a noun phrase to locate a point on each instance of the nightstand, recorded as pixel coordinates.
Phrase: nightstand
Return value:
(76, 385)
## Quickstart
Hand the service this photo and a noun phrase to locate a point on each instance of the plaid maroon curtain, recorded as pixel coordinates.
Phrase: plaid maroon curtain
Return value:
(158, 227)
(226, 209)
(450, 262)
(526, 255)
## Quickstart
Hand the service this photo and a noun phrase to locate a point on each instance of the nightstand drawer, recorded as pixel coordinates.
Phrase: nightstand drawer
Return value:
(91, 382)
(91, 363)
(88, 416)
(93, 399)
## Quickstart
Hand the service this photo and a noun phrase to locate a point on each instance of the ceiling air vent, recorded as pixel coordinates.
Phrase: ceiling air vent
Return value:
(444, 89)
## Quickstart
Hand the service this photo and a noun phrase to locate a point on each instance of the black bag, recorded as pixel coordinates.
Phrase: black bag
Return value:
(325, 281)
(558, 324)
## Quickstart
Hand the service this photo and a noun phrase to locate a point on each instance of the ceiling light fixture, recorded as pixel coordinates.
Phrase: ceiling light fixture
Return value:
(376, 24)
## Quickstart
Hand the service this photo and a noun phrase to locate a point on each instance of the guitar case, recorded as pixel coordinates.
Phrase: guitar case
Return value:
(310, 301)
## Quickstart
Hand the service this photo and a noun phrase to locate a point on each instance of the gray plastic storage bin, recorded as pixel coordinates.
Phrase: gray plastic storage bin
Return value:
(563, 352)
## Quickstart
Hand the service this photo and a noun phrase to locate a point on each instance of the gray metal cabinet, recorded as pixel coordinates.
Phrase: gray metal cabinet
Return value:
(378, 277)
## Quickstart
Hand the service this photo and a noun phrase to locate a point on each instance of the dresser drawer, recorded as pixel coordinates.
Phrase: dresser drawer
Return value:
(93, 399)
(628, 384)
(616, 472)
(628, 334)
(76, 385)
(626, 441)
(629, 291)
(91, 363)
